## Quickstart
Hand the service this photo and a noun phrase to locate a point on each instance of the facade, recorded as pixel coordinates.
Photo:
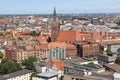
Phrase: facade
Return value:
(54, 28)
(51, 51)
(87, 49)
(71, 73)
(57, 53)
(110, 48)
(106, 58)
(20, 54)
(117, 76)
(90, 50)
(19, 75)
(40, 66)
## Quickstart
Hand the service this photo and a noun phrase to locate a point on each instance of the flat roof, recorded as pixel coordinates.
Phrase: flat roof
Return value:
(47, 74)
(114, 67)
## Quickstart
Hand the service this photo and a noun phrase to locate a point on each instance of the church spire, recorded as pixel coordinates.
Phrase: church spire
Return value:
(54, 27)
(54, 12)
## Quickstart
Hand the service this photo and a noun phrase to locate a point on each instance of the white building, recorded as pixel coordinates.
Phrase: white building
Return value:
(116, 76)
(19, 75)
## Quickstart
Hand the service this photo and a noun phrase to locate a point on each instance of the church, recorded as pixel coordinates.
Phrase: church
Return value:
(54, 27)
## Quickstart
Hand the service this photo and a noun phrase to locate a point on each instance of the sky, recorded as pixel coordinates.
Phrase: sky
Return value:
(62, 6)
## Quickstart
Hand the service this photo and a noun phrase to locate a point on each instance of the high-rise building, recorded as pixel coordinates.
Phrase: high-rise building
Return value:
(54, 27)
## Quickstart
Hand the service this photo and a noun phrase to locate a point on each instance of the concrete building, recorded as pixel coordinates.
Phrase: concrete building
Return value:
(19, 75)
(46, 76)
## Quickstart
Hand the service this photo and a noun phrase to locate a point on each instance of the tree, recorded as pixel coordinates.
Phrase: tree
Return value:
(1, 54)
(4, 61)
(8, 33)
(118, 22)
(18, 66)
(92, 64)
(33, 75)
(117, 61)
(33, 33)
(20, 38)
(7, 66)
(1, 68)
(1, 34)
(29, 63)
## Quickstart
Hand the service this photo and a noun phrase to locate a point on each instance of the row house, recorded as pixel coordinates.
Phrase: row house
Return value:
(19, 54)
(51, 51)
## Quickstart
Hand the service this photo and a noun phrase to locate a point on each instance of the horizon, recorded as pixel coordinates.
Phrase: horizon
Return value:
(60, 13)
(62, 7)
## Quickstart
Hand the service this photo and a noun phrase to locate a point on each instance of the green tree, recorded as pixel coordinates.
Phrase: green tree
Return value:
(29, 63)
(118, 22)
(8, 67)
(33, 75)
(92, 64)
(8, 33)
(117, 61)
(20, 38)
(4, 61)
(1, 54)
(33, 33)
(18, 66)
(1, 68)
(1, 34)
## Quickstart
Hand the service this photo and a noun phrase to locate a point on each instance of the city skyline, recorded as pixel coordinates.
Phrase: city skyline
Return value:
(63, 6)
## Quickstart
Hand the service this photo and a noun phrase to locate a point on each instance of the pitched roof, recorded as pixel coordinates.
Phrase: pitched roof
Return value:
(56, 44)
(41, 39)
(59, 64)
(69, 36)
(60, 44)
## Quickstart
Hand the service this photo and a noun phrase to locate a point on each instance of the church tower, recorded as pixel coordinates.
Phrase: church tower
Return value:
(54, 27)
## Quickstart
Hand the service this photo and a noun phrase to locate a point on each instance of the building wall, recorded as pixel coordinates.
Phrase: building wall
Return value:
(90, 50)
(58, 53)
(19, 56)
(21, 77)
(71, 53)
(36, 78)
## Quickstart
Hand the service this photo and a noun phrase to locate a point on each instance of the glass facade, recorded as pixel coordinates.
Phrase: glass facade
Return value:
(57, 53)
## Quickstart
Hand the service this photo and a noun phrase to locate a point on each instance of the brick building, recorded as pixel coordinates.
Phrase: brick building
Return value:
(54, 28)
(51, 51)
(87, 49)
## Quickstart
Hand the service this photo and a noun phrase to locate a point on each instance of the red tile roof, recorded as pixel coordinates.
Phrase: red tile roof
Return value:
(58, 63)
(69, 36)
(60, 44)
(41, 39)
